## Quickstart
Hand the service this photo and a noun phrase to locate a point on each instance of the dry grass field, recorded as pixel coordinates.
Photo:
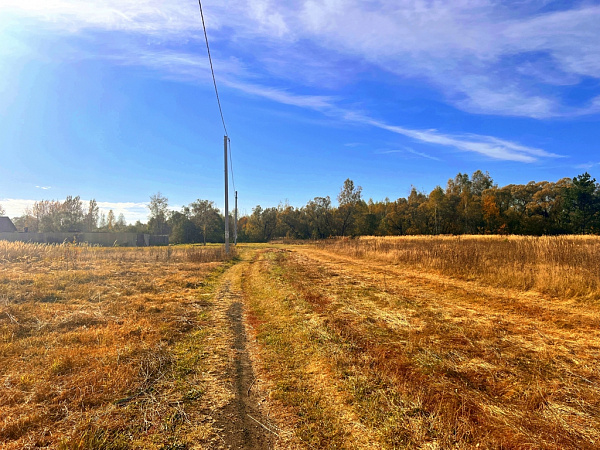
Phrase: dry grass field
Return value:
(563, 266)
(471, 342)
(103, 347)
(417, 342)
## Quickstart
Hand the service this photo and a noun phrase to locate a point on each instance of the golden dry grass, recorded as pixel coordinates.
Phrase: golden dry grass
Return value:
(104, 347)
(361, 353)
(565, 266)
(371, 343)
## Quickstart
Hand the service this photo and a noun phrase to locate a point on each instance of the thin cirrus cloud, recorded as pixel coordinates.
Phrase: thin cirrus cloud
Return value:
(587, 166)
(187, 67)
(488, 146)
(142, 16)
(503, 61)
(409, 150)
(421, 154)
(479, 69)
(493, 65)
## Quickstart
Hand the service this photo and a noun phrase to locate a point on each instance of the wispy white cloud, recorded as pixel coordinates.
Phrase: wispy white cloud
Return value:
(408, 150)
(316, 102)
(485, 56)
(489, 146)
(421, 154)
(478, 53)
(588, 165)
(188, 67)
(232, 73)
(142, 16)
(481, 94)
(45, 188)
(479, 67)
(570, 37)
(493, 65)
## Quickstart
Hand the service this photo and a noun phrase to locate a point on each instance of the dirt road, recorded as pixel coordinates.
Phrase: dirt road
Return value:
(237, 421)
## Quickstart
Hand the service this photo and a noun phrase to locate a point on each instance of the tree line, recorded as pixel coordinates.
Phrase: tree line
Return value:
(467, 205)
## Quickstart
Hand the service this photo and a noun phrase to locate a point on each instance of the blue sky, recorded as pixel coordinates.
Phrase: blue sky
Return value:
(113, 99)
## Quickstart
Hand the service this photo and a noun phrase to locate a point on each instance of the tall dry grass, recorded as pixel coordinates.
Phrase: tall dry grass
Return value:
(554, 265)
(357, 360)
(30, 252)
(100, 347)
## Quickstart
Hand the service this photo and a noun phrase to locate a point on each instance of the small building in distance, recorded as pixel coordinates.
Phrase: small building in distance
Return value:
(6, 225)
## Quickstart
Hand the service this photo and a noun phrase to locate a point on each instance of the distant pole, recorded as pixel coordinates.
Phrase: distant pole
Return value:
(225, 139)
(235, 221)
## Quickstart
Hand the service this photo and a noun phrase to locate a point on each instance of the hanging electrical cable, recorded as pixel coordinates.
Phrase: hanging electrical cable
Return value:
(227, 141)
(211, 67)
(216, 90)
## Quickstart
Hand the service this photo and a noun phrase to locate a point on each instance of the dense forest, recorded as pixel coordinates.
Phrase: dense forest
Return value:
(468, 205)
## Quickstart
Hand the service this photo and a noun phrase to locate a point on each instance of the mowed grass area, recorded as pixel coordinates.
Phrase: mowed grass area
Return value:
(363, 346)
(105, 347)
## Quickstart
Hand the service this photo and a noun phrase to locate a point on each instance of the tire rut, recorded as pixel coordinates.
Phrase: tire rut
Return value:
(240, 422)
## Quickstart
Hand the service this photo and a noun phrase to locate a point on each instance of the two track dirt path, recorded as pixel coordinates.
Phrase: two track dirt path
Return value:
(237, 419)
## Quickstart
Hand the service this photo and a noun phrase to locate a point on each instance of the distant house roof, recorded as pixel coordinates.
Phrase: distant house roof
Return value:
(6, 225)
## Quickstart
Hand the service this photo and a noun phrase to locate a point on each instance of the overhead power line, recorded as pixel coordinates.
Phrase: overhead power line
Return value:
(217, 92)
(211, 67)
(227, 141)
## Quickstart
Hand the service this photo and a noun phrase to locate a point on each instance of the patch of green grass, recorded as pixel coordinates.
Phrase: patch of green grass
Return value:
(95, 438)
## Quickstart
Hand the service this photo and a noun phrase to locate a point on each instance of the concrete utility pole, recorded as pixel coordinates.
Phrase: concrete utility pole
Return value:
(225, 139)
(235, 221)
